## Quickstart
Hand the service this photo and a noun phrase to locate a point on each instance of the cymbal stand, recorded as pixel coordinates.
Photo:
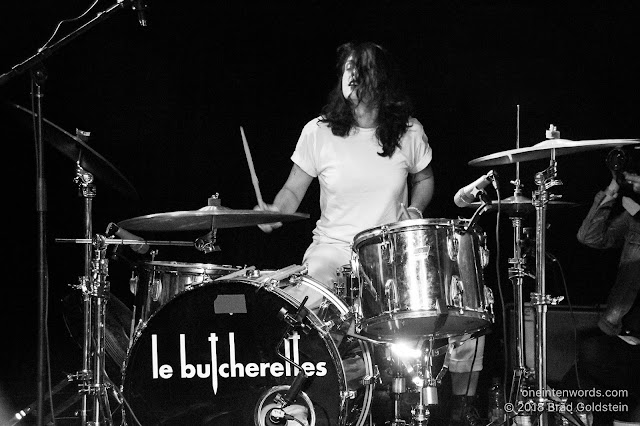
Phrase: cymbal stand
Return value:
(95, 292)
(93, 387)
(34, 64)
(87, 190)
(544, 180)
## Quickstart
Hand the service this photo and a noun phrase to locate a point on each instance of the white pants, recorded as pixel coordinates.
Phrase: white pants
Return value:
(462, 358)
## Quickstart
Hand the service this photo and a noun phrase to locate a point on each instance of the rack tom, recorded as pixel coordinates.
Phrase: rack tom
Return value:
(422, 277)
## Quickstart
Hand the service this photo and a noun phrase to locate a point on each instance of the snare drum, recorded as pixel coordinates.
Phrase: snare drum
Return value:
(422, 277)
(218, 353)
(159, 282)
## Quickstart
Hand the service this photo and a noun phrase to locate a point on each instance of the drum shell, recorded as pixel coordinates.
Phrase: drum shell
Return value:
(158, 282)
(250, 310)
(411, 274)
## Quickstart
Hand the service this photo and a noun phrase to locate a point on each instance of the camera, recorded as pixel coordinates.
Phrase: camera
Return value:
(621, 160)
(624, 160)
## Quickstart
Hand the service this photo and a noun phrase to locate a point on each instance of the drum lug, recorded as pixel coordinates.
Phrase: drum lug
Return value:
(386, 247)
(484, 251)
(453, 245)
(488, 296)
(389, 286)
(155, 289)
(133, 283)
(457, 292)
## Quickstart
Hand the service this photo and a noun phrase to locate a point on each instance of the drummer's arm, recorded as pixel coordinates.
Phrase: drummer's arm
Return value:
(422, 186)
(289, 197)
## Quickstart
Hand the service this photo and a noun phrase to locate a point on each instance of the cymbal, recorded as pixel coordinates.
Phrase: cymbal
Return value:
(544, 149)
(74, 148)
(206, 218)
(520, 204)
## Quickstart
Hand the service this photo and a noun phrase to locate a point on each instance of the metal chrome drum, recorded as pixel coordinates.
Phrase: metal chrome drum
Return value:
(217, 354)
(422, 277)
(159, 282)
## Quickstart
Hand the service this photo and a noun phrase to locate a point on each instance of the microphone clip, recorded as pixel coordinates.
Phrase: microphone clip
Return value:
(296, 321)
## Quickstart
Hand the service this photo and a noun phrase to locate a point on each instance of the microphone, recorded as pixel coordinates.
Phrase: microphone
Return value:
(123, 234)
(467, 195)
(295, 388)
(141, 7)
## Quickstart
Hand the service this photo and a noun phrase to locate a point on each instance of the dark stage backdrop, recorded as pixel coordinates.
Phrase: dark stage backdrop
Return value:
(164, 105)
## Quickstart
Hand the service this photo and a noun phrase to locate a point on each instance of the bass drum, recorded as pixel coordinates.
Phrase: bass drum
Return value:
(227, 352)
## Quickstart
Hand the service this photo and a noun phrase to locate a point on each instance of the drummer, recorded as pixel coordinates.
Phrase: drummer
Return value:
(363, 149)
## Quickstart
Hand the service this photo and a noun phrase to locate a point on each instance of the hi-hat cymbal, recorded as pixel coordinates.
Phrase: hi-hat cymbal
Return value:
(74, 148)
(206, 218)
(544, 149)
(519, 204)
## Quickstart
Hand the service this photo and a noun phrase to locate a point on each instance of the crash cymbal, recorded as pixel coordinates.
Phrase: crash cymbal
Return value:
(206, 218)
(544, 149)
(519, 204)
(74, 148)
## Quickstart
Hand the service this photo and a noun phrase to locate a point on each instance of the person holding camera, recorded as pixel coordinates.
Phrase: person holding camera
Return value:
(610, 360)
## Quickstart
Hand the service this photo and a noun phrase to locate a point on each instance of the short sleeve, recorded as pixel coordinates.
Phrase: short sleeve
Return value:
(420, 154)
(305, 154)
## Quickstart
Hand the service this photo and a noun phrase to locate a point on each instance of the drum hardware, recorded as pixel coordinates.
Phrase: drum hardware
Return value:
(94, 382)
(542, 200)
(241, 273)
(212, 216)
(207, 243)
(110, 241)
(295, 321)
(416, 364)
(88, 165)
(545, 180)
(517, 273)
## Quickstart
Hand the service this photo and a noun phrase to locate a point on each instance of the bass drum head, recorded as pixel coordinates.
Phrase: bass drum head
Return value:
(210, 357)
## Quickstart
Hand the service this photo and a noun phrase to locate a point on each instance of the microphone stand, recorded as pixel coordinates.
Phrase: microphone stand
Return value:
(38, 78)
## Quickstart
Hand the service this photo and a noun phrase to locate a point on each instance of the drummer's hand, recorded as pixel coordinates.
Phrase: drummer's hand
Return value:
(633, 180)
(268, 227)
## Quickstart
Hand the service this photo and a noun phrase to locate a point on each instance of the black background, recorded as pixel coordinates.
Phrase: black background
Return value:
(164, 105)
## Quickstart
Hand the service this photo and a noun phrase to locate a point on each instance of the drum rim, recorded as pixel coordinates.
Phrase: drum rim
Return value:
(188, 265)
(411, 224)
(404, 314)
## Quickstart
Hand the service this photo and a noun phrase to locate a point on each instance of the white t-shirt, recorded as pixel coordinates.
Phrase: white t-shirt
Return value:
(359, 189)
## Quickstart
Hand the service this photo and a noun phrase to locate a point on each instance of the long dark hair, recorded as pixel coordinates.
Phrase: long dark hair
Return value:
(378, 79)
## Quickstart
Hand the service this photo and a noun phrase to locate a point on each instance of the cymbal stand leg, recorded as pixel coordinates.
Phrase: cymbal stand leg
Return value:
(544, 180)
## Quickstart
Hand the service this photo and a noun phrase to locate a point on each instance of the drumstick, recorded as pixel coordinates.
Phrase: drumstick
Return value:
(254, 178)
(404, 210)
